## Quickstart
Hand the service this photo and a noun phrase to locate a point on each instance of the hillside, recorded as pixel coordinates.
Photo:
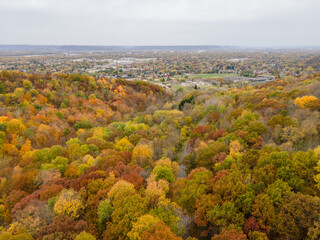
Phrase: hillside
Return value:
(314, 62)
(89, 158)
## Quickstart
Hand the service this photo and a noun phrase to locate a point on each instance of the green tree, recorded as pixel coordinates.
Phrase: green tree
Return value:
(2, 88)
(226, 215)
(104, 214)
(194, 188)
(27, 85)
(163, 172)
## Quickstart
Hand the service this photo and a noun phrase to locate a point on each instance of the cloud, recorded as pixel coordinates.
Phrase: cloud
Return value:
(202, 10)
(130, 22)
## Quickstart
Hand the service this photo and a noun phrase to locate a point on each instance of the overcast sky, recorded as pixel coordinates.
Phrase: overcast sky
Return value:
(254, 23)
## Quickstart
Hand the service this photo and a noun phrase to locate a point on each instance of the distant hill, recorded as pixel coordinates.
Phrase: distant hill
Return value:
(314, 62)
(84, 48)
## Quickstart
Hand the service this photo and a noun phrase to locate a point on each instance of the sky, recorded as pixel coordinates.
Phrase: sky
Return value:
(247, 23)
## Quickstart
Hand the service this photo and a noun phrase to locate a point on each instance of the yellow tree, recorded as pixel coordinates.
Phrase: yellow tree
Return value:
(317, 177)
(69, 203)
(15, 126)
(302, 101)
(120, 190)
(85, 236)
(235, 147)
(124, 144)
(142, 155)
(144, 223)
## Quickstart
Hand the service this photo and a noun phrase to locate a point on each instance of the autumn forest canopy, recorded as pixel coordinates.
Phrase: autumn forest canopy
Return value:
(86, 156)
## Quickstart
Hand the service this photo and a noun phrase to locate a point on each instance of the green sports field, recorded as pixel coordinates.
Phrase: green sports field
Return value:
(210, 75)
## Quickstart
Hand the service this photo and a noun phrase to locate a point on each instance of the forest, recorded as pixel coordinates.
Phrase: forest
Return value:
(88, 158)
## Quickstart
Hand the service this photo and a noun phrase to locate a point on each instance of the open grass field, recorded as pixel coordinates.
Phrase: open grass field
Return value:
(175, 87)
(209, 75)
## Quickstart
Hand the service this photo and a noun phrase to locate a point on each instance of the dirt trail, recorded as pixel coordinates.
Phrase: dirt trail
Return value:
(182, 171)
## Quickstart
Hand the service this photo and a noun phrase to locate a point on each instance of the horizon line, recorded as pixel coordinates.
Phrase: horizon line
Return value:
(163, 46)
